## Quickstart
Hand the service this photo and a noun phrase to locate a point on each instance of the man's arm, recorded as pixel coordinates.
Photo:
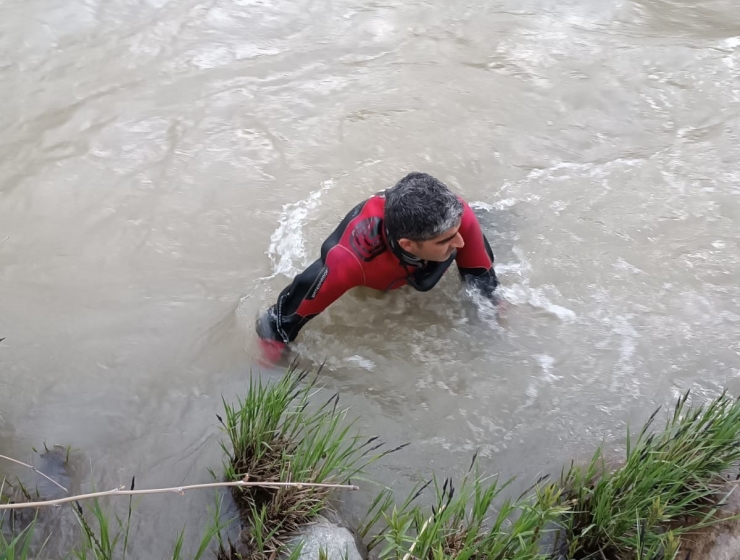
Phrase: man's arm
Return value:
(475, 259)
(314, 289)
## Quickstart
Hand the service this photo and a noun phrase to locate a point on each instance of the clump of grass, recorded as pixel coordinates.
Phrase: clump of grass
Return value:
(669, 485)
(103, 537)
(462, 524)
(18, 547)
(16, 526)
(17, 529)
(108, 539)
(276, 436)
(102, 542)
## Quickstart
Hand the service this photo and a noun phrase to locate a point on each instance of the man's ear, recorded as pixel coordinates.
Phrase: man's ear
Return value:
(406, 244)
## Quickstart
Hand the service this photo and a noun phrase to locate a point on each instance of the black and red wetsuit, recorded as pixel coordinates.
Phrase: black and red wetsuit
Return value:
(361, 253)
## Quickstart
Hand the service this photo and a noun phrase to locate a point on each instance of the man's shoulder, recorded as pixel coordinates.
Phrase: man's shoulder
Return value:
(366, 240)
(371, 206)
(468, 213)
(365, 237)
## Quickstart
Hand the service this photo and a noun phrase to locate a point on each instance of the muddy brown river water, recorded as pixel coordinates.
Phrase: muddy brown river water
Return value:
(167, 166)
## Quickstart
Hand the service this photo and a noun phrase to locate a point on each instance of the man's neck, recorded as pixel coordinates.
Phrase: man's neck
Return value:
(404, 256)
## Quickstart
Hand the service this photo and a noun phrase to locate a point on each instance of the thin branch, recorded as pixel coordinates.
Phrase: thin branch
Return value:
(120, 491)
(4, 240)
(34, 468)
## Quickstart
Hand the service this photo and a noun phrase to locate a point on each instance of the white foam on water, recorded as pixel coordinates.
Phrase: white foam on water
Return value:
(498, 205)
(359, 361)
(546, 363)
(519, 294)
(531, 392)
(509, 268)
(479, 205)
(624, 370)
(566, 170)
(732, 42)
(487, 311)
(287, 249)
(623, 265)
(464, 446)
(523, 293)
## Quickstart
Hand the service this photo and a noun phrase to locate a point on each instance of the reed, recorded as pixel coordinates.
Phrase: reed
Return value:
(274, 434)
(671, 483)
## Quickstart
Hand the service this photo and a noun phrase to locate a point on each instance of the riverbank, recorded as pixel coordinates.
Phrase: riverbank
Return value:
(286, 456)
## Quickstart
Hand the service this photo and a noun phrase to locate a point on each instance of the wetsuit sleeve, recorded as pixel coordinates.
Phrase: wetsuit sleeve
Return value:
(475, 259)
(314, 289)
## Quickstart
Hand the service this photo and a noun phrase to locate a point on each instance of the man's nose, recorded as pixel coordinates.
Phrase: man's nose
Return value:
(458, 242)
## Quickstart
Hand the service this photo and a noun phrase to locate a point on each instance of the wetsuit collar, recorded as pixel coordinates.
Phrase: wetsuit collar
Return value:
(426, 274)
(404, 256)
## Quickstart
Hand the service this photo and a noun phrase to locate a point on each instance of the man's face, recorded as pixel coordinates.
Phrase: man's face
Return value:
(437, 249)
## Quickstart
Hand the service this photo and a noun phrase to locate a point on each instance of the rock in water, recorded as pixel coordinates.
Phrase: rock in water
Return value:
(338, 542)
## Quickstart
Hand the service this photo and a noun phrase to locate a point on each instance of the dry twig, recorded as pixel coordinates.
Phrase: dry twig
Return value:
(34, 469)
(120, 491)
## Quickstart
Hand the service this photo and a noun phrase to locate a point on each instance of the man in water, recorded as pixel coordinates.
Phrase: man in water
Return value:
(408, 234)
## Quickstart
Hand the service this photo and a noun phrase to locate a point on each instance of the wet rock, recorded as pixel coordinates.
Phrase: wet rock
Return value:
(338, 542)
(718, 542)
(55, 464)
(726, 547)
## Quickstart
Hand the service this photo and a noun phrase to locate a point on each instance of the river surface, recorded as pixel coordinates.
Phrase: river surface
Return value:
(167, 166)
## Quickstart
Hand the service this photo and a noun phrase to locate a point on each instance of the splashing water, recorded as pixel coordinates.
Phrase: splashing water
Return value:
(287, 249)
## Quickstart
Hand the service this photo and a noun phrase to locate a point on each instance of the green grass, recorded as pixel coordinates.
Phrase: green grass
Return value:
(102, 536)
(463, 523)
(99, 541)
(107, 540)
(274, 435)
(670, 484)
(19, 546)
(16, 529)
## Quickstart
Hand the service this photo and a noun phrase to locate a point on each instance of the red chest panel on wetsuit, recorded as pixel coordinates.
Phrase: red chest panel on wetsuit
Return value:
(365, 240)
